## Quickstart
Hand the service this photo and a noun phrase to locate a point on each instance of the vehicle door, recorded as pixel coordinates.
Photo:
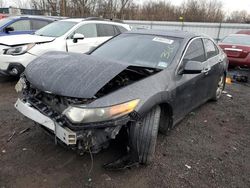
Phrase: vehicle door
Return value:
(214, 61)
(89, 32)
(190, 88)
(38, 24)
(20, 27)
(105, 32)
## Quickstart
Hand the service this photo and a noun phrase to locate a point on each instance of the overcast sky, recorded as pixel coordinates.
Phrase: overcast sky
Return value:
(228, 5)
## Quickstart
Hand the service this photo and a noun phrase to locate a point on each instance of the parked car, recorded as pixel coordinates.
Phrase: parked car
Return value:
(237, 48)
(142, 81)
(244, 31)
(16, 25)
(3, 16)
(70, 35)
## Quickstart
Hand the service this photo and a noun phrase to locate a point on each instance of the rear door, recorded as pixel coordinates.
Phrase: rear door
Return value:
(89, 31)
(105, 32)
(38, 24)
(215, 61)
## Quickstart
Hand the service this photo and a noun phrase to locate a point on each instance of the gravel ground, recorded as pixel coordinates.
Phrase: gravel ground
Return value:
(209, 148)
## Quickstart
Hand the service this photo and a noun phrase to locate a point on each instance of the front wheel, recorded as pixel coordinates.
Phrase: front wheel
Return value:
(220, 88)
(143, 136)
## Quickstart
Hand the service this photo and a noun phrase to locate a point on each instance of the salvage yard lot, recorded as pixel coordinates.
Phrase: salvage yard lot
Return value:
(209, 148)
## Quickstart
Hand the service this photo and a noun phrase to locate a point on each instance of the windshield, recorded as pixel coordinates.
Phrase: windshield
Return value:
(56, 29)
(237, 39)
(4, 21)
(140, 50)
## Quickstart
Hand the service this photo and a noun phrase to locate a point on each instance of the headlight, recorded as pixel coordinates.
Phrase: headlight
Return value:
(88, 115)
(18, 50)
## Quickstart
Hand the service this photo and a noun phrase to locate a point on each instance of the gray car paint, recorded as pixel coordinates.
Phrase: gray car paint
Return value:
(71, 74)
(179, 91)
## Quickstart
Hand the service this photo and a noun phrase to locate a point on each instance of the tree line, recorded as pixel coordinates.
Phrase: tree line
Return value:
(161, 10)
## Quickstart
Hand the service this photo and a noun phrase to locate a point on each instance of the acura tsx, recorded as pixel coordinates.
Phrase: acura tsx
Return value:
(141, 81)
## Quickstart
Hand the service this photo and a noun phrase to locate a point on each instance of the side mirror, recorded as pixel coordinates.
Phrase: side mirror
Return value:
(192, 67)
(8, 29)
(77, 37)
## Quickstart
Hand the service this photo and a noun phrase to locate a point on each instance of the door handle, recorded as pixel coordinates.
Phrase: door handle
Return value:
(206, 70)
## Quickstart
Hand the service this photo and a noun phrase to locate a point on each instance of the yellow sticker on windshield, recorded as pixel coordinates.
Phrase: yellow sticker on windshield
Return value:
(163, 40)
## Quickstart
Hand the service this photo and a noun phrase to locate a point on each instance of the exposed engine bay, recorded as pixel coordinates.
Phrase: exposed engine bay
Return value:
(126, 77)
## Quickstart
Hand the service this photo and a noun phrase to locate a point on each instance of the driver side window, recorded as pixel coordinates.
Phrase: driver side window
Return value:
(21, 25)
(88, 30)
(195, 52)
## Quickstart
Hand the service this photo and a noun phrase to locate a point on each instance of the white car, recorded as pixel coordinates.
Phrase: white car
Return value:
(70, 35)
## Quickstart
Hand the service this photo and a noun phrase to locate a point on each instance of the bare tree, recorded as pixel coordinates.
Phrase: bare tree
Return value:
(2, 3)
(239, 17)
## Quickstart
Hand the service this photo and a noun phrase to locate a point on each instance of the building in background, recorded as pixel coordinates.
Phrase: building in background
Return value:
(19, 11)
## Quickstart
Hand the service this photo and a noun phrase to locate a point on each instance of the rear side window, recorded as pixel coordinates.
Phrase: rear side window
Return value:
(105, 30)
(38, 24)
(88, 30)
(195, 52)
(21, 25)
(122, 29)
(211, 49)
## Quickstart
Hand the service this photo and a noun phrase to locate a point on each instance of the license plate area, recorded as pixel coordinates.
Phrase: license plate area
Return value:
(66, 135)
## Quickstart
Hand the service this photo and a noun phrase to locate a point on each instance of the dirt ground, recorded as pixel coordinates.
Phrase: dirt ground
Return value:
(209, 148)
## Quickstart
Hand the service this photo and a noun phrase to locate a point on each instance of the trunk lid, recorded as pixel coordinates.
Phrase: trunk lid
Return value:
(236, 51)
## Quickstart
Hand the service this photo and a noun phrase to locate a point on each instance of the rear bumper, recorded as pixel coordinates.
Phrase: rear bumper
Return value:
(13, 69)
(242, 62)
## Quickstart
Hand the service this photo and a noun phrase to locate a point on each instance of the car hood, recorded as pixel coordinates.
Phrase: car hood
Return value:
(71, 74)
(14, 40)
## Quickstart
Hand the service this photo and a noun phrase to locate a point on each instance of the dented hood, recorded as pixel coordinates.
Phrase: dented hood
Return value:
(71, 74)
(14, 40)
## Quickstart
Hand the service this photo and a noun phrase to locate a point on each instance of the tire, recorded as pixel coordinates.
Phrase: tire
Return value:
(143, 136)
(219, 88)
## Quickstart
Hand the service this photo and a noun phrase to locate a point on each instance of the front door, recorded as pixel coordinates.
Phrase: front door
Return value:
(190, 88)
(83, 45)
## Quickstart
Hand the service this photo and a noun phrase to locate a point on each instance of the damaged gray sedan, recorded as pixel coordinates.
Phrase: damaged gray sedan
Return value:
(140, 82)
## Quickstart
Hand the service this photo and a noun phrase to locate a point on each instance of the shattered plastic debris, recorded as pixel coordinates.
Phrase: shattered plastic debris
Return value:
(224, 92)
(25, 130)
(230, 96)
(3, 151)
(24, 149)
(189, 167)
(11, 136)
(235, 148)
(205, 121)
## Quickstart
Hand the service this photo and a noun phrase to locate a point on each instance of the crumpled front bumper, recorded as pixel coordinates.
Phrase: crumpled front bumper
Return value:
(63, 133)
(89, 136)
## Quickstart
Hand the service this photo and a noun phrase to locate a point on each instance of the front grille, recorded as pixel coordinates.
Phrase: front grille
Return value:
(47, 110)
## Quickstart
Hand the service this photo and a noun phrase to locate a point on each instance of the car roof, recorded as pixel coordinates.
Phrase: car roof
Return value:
(35, 17)
(169, 33)
(78, 20)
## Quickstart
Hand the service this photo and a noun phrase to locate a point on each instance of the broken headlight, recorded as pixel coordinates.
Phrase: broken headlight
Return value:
(21, 84)
(89, 115)
(18, 50)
